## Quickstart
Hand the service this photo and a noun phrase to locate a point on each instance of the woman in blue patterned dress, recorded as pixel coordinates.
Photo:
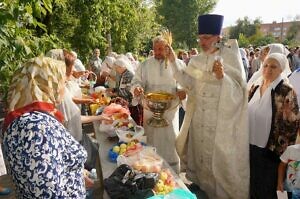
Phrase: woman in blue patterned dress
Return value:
(45, 160)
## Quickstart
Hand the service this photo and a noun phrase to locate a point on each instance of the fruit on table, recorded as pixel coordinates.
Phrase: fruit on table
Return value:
(163, 176)
(122, 151)
(123, 146)
(132, 143)
(129, 135)
(116, 149)
(165, 184)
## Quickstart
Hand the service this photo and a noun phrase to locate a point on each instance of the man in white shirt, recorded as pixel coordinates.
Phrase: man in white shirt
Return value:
(154, 74)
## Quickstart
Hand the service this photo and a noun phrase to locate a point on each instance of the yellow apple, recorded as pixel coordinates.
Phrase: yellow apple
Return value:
(123, 146)
(163, 176)
(116, 149)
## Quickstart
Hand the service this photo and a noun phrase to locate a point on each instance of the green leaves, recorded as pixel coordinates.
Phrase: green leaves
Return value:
(180, 17)
(29, 28)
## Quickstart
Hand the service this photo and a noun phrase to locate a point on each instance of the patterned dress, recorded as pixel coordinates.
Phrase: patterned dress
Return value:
(45, 160)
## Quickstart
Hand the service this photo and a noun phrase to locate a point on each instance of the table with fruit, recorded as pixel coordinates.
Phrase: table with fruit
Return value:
(122, 142)
(128, 152)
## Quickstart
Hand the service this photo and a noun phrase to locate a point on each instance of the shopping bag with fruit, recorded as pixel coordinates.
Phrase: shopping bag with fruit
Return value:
(126, 149)
(147, 160)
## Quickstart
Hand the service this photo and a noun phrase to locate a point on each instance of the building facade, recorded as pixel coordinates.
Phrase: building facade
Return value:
(277, 30)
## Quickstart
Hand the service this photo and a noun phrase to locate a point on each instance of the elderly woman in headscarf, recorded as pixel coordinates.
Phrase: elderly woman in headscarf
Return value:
(106, 71)
(73, 119)
(273, 123)
(45, 160)
(269, 49)
(125, 72)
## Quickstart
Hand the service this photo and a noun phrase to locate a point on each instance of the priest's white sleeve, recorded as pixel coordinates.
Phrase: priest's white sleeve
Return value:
(138, 80)
(181, 76)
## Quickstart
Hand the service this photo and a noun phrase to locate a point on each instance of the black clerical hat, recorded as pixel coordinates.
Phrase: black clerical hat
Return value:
(210, 24)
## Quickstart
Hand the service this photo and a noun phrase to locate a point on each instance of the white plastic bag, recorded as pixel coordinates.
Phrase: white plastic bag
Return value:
(127, 135)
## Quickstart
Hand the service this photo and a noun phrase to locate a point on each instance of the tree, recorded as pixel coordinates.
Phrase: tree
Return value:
(93, 24)
(293, 31)
(22, 35)
(243, 41)
(244, 26)
(263, 40)
(180, 17)
(29, 28)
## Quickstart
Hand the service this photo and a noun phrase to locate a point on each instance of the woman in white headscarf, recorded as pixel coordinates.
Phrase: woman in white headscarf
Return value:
(273, 48)
(273, 124)
(107, 71)
(125, 71)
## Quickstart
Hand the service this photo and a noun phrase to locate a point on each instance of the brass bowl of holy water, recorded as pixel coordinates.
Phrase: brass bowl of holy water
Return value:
(158, 103)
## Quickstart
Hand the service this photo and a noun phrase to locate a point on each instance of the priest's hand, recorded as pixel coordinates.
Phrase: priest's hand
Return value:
(170, 54)
(138, 91)
(181, 94)
(218, 69)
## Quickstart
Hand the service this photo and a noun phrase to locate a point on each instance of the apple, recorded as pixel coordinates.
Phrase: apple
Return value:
(122, 151)
(137, 166)
(123, 146)
(116, 149)
(163, 176)
(156, 168)
(145, 168)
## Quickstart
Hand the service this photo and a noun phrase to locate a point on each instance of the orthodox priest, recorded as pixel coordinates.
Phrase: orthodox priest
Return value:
(214, 140)
(155, 74)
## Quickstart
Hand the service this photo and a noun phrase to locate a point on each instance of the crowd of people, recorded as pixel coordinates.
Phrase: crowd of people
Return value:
(235, 134)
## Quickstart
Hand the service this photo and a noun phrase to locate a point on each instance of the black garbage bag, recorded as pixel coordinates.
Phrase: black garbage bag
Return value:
(126, 183)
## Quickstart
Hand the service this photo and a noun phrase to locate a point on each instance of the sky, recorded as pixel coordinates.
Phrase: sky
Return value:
(267, 10)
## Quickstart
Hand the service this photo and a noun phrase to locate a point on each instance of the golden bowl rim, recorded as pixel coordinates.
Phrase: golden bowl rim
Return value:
(169, 96)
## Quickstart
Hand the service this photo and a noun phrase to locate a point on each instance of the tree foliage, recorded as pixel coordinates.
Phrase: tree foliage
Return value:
(29, 28)
(246, 31)
(21, 35)
(180, 17)
(293, 31)
(245, 27)
(125, 24)
(243, 41)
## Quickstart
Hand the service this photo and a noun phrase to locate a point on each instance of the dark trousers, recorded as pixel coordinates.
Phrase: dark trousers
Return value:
(181, 116)
(263, 173)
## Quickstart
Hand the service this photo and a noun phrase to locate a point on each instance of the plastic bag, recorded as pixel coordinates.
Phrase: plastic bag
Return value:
(127, 135)
(146, 160)
(125, 183)
(108, 129)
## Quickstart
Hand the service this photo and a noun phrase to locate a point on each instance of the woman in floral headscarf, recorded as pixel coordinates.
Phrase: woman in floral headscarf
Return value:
(45, 160)
(273, 124)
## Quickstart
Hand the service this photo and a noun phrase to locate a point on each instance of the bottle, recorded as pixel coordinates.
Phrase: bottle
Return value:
(93, 174)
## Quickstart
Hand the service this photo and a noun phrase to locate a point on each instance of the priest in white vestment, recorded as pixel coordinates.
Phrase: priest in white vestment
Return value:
(155, 75)
(214, 141)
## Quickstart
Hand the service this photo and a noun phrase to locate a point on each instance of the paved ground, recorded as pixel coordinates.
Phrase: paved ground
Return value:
(6, 181)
